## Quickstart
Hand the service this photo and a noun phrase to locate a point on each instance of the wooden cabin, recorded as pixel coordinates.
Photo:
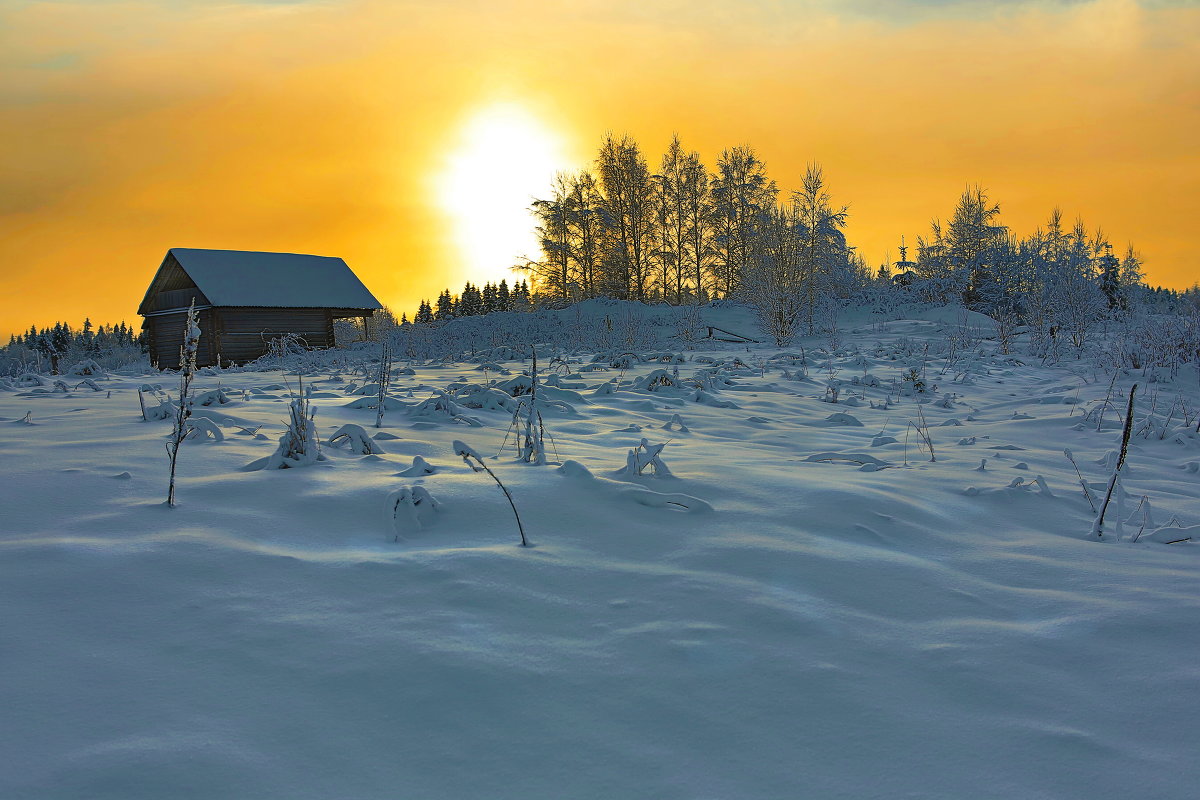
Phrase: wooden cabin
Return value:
(245, 300)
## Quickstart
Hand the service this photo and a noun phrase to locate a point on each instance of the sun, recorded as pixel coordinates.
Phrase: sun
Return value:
(503, 158)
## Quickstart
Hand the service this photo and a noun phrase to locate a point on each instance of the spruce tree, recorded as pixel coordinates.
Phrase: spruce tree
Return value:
(520, 297)
(445, 306)
(1110, 277)
(424, 313)
(470, 303)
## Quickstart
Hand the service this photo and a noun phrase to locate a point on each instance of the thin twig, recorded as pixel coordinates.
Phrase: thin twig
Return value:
(467, 454)
(1098, 526)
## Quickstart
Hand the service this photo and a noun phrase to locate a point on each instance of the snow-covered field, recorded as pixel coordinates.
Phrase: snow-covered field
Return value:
(806, 606)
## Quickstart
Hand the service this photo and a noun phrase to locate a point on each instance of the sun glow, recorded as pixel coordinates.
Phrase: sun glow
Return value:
(504, 158)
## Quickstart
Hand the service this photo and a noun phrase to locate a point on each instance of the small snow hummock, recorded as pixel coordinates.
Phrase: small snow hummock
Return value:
(356, 438)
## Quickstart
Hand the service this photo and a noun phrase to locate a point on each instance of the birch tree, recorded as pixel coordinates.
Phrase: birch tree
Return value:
(741, 192)
(823, 246)
(553, 232)
(696, 200)
(672, 218)
(628, 201)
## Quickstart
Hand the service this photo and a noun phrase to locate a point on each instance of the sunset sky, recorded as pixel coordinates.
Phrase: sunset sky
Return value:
(409, 137)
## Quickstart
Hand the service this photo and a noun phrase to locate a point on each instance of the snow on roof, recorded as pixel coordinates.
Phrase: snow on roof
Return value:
(281, 280)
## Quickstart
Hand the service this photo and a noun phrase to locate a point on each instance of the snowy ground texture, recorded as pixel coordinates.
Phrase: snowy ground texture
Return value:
(805, 606)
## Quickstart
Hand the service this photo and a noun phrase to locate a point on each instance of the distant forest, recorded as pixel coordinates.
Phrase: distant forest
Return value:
(60, 341)
(473, 301)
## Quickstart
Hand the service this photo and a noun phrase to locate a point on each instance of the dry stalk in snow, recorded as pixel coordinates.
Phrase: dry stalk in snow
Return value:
(1098, 525)
(1086, 492)
(464, 450)
(385, 380)
(923, 432)
(531, 435)
(187, 365)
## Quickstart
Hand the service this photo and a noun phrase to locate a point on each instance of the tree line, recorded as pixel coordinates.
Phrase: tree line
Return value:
(681, 233)
(61, 340)
(474, 301)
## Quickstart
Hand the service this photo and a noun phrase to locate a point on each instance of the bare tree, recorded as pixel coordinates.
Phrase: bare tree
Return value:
(773, 280)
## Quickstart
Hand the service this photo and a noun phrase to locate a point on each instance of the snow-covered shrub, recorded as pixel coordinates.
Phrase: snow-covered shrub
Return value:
(212, 397)
(372, 403)
(420, 468)
(163, 409)
(516, 386)
(87, 366)
(623, 360)
(355, 438)
(204, 429)
(442, 406)
(912, 382)
(675, 421)
(658, 379)
(689, 326)
(415, 503)
(644, 456)
(488, 400)
(705, 399)
(298, 446)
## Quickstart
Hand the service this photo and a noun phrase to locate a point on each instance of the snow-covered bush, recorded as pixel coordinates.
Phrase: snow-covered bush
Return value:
(355, 438)
(658, 379)
(298, 446)
(204, 429)
(442, 406)
(645, 456)
(87, 366)
(212, 397)
(415, 504)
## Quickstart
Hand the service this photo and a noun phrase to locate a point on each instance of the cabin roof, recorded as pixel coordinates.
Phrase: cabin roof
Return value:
(271, 280)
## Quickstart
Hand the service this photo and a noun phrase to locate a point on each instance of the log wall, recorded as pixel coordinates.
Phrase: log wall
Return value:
(244, 334)
(166, 339)
(240, 334)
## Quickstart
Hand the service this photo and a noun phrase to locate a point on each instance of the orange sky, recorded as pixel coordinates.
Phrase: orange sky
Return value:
(336, 127)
